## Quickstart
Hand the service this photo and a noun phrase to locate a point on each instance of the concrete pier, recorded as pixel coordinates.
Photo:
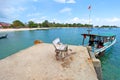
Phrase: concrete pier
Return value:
(39, 63)
(97, 66)
(96, 63)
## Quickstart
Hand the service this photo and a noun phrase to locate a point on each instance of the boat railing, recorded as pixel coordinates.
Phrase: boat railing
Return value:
(107, 45)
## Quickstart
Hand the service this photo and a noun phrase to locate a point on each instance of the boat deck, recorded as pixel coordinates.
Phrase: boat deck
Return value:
(39, 63)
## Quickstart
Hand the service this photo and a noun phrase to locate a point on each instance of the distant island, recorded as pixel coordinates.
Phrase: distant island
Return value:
(46, 23)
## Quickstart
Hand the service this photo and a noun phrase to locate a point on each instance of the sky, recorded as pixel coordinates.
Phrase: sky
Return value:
(102, 12)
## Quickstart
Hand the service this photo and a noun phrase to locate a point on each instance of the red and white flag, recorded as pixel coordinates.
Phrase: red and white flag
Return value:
(89, 7)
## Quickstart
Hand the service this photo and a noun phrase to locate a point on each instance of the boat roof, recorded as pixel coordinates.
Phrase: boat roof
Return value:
(101, 35)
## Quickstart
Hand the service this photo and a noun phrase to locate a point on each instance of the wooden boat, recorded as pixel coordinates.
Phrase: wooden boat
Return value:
(99, 42)
(3, 36)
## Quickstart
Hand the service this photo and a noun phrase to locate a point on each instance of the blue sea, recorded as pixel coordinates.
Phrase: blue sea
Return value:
(20, 40)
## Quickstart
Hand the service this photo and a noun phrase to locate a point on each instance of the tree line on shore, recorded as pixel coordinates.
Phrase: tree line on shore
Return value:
(46, 23)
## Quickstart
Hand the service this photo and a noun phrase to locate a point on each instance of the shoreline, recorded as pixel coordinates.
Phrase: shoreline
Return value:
(20, 29)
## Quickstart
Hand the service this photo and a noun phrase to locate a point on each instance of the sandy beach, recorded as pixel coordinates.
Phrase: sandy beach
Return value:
(20, 29)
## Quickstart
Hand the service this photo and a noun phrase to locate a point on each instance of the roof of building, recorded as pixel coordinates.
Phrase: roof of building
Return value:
(4, 24)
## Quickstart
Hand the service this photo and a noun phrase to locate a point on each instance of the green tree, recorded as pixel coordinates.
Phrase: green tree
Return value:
(46, 23)
(17, 24)
(97, 26)
(31, 24)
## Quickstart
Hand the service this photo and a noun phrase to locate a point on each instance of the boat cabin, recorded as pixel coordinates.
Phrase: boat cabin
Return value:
(98, 41)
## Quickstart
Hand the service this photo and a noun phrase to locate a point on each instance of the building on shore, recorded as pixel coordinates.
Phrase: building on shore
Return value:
(4, 25)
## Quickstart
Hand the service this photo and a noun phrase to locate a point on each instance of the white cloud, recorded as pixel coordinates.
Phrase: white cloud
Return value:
(114, 19)
(65, 1)
(38, 19)
(60, 1)
(75, 20)
(43, 18)
(65, 10)
(55, 20)
(96, 21)
(12, 8)
(15, 9)
(33, 15)
(21, 8)
(107, 21)
(78, 20)
(35, 0)
(70, 1)
(10, 11)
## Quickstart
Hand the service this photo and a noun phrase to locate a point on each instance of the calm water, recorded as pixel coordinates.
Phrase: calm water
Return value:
(17, 41)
